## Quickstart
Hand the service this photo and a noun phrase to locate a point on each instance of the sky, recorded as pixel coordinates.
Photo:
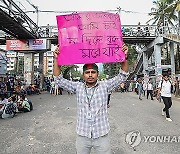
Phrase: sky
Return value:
(140, 9)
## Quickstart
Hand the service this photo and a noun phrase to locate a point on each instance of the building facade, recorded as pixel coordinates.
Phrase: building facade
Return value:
(14, 57)
(3, 63)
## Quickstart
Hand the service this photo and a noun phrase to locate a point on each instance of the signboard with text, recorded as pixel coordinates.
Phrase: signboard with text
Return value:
(24, 45)
(89, 37)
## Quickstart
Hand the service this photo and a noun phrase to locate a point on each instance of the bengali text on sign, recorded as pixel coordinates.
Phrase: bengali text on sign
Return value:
(89, 37)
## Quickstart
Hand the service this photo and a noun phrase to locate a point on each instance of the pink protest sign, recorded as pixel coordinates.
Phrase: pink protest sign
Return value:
(89, 37)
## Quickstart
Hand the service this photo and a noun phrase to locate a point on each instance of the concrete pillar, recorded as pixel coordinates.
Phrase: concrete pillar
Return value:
(29, 68)
(145, 67)
(145, 61)
(41, 68)
(158, 68)
(171, 44)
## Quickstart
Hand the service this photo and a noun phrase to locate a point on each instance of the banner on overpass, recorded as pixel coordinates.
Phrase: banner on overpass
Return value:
(25, 45)
(89, 37)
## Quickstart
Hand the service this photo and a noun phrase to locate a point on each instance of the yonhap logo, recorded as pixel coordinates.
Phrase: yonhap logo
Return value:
(133, 138)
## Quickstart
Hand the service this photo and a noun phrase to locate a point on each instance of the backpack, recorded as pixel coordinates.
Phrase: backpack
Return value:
(170, 83)
(31, 105)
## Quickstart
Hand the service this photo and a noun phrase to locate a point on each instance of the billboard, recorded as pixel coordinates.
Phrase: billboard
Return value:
(25, 45)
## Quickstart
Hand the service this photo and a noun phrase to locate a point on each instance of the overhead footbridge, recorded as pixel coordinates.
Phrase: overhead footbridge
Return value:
(15, 22)
(163, 35)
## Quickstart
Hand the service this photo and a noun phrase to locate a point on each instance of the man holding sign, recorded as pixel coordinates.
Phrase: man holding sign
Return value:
(87, 38)
(92, 96)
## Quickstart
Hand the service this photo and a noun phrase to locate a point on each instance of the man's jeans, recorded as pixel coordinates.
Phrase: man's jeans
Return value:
(151, 93)
(168, 103)
(101, 145)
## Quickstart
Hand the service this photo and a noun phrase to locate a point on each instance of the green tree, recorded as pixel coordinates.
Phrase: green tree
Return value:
(112, 69)
(70, 71)
(76, 73)
(172, 4)
(65, 71)
(132, 55)
(20, 70)
(161, 17)
(102, 76)
(173, 7)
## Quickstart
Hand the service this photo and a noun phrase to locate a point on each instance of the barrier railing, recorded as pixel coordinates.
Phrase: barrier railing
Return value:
(127, 31)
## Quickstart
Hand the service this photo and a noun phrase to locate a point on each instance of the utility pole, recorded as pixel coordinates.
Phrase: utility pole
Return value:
(119, 9)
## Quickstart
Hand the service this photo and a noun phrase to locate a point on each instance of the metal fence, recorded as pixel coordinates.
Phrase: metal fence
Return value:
(127, 31)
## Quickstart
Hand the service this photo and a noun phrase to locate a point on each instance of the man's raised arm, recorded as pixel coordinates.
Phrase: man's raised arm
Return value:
(124, 65)
(56, 69)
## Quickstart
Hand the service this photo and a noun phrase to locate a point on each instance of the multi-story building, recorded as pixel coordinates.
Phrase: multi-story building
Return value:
(3, 63)
(48, 63)
(13, 58)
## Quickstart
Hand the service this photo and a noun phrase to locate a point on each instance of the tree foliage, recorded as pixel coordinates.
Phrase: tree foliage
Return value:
(21, 66)
(70, 71)
(173, 5)
(163, 15)
(112, 69)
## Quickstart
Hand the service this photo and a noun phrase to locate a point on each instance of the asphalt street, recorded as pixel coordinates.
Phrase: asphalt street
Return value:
(137, 127)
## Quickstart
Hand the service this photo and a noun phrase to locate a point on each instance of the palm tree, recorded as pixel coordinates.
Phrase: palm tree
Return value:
(173, 5)
(160, 16)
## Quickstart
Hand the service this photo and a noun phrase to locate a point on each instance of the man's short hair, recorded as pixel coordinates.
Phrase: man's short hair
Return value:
(90, 66)
(165, 74)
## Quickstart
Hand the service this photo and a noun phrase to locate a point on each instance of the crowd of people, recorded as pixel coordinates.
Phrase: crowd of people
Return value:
(162, 90)
(13, 93)
(9, 106)
(10, 84)
(146, 88)
(13, 96)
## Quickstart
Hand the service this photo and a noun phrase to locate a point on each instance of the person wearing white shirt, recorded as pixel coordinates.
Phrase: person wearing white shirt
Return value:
(136, 87)
(52, 86)
(144, 87)
(149, 89)
(164, 89)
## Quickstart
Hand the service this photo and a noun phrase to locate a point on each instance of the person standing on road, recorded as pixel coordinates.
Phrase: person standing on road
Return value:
(10, 86)
(136, 87)
(92, 117)
(150, 89)
(144, 88)
(140, 88)
(164, 89)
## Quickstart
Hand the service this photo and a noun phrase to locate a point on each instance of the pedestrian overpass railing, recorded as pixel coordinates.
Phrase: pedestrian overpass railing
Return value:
(14, 11)
(127, 30)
